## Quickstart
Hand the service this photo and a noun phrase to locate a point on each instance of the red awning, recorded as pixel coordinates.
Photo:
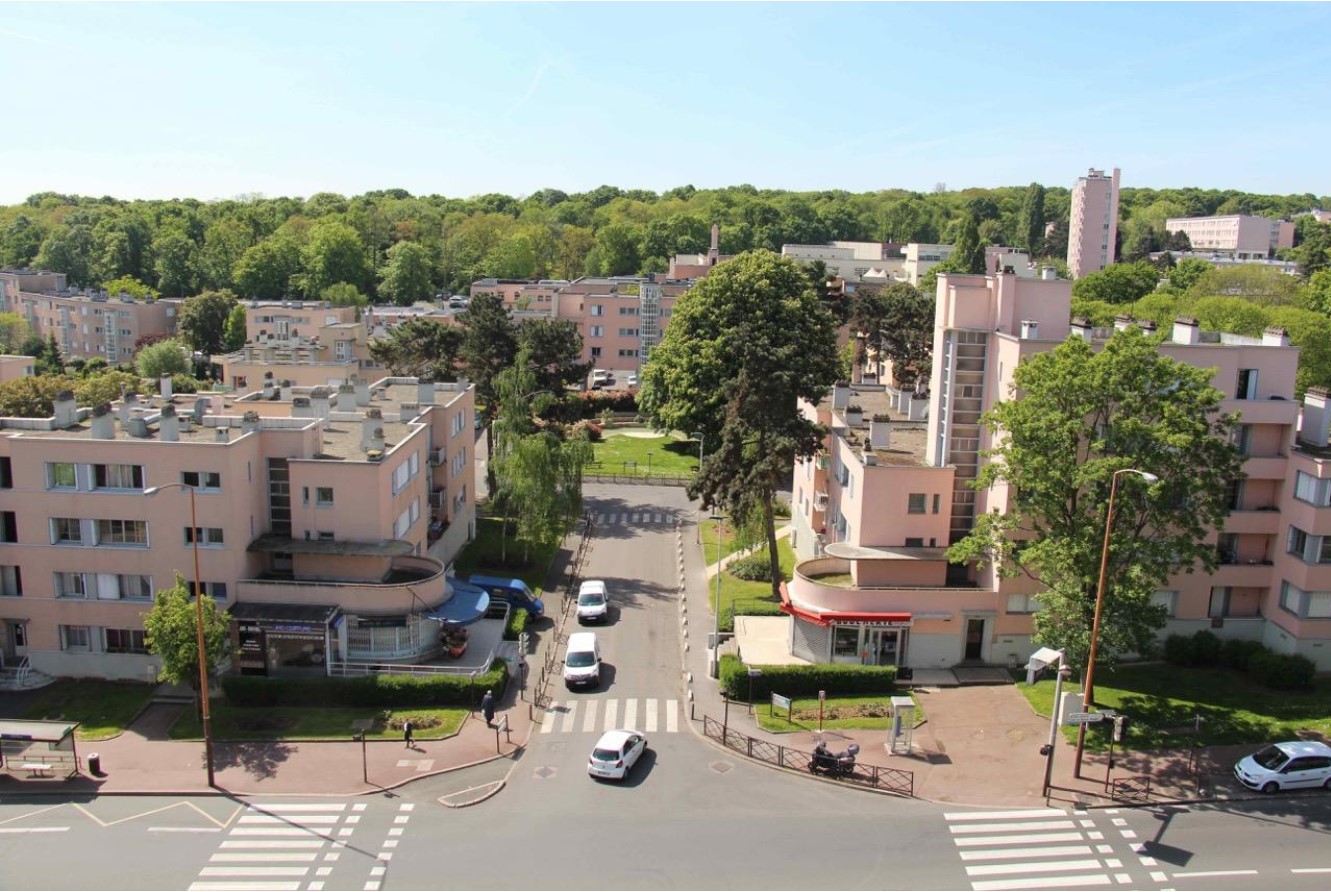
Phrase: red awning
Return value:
(827, 618)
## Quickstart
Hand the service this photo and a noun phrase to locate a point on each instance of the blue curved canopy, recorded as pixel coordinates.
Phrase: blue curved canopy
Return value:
(468, 604)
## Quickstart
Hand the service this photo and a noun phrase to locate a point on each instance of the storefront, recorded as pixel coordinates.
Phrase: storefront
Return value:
(866, 639)
(290, 640)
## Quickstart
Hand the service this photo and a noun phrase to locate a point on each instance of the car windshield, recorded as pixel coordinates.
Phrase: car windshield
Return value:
(1270, 758)
(590, 600)
(581, 659)
(604, 755)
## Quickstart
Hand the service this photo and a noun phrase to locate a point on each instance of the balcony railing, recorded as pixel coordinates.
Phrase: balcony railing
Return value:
(413, 583)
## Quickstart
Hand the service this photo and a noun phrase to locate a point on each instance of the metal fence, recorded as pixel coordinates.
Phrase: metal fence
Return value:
(592, 476)
(888, 780)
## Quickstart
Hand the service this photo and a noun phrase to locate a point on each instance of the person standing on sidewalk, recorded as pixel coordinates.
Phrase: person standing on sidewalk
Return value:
(407, 734)
(488, 708)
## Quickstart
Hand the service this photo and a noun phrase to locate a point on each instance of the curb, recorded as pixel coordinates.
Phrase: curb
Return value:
(489, 790)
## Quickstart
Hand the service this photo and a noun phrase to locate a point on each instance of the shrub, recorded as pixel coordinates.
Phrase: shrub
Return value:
(1285, 672)
(754, 567)
(378, 691)
(588, 428)
(517, 622)
(804, 680)
(1178, 650)
(1237, 653)
(748, 607)
(1206, 646)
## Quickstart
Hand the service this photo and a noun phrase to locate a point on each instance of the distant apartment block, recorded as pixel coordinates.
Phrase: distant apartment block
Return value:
(1093, 223)
(86, 323)
(325, 521)
(873, 513)
(696, 266)
(919, 259)
(1243, 237)
(854, 262)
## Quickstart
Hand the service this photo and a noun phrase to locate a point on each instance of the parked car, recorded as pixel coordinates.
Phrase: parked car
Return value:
(1286, 766)
(615, 754)
(593, 603)
(582, 661)
(511, 591)
(632, 380)
(458, 302)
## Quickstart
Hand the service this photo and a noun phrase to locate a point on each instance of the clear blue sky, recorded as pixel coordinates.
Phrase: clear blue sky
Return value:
(215, 100)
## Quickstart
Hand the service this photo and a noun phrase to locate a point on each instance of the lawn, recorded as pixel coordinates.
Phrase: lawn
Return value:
(102, 708)
(1162, 703)
(869, 713)
(483, 555)
(735, 590)
(644, 456)
(289, 723)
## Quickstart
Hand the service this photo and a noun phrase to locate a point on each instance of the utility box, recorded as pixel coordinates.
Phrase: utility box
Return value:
(903, 726)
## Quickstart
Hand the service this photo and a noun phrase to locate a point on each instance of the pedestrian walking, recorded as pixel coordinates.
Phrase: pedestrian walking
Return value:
(407, 731)
(488, 708)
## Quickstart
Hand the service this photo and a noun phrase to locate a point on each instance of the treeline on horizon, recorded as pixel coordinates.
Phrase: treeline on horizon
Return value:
(391, 246)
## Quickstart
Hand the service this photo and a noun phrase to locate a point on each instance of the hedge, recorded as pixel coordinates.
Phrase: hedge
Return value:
(804, 680)
(373, 691)
(517, 623)
(1266, 667)
(748, 607)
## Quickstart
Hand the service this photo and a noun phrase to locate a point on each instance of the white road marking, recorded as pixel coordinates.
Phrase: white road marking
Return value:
(1310, 870)
(651, 716)
(1095, 879)
(257, 871)
(275, 831)
(272, 844)
(284, 807)
(1028, 852)
(33, 829)
(1031, 867)
(631, 714)
(672, 716)
(1018, 838)
(611, 715)
(589, 717)
(1014, 825)
(264, 856)
(244, 887)
(277, 819)
(180, 830)
(1003, 815)
(1215, 873)
(571, 710)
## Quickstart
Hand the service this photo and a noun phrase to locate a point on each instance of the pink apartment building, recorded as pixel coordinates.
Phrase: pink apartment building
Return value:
(86, 324)
(325, 523)
(1243, 237)
(874, 513)
(1093, 223)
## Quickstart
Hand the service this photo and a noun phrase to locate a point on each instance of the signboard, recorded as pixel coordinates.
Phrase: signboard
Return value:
(779, 702)
(822, 695)
(1083, 718)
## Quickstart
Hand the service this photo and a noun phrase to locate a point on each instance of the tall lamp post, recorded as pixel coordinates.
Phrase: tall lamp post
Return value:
(204, 709)
(714, 664)
(697, 435)
(1088, 689)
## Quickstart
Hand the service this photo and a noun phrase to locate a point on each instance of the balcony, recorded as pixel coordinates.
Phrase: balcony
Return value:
(412, 583)
(1259, 521)
(1265, 467)
(824, 584)
(1265, 411)
(1244, 573)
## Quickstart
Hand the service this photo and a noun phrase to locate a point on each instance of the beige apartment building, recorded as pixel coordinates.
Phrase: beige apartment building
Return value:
(1240, 236)
(325, 523)
(874, 513)
(1093, 223)
(86, 323)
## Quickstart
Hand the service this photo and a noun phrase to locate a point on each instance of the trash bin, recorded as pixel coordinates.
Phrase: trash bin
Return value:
(95, 763)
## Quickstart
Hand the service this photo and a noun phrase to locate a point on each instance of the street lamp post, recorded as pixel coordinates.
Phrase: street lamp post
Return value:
(1088, 689)
(714, 666)
(204, 708)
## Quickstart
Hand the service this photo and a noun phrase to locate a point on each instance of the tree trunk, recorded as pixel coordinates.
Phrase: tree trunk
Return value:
(774, 560)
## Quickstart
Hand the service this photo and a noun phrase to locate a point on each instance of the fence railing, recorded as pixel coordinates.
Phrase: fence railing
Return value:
(647, 479)
(889, 780)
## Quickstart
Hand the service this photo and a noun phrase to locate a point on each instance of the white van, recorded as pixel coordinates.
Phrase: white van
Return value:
(582, 660)
(593, 603)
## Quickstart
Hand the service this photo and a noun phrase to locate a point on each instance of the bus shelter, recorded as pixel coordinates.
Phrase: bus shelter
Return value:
(38, 749)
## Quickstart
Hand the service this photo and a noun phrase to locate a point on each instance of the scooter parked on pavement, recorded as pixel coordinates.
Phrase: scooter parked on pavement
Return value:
(832, 764)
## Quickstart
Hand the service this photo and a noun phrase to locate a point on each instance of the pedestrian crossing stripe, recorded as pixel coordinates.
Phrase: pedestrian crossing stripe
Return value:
(1038, 848)
(648, 517)
(562, 716)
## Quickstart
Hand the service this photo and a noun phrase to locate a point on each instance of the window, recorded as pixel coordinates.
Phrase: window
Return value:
(459, 422)
(628, 332)
(1247, 385)
(122, 532)
(598, 310)
(628, 311)
(6, 473)
(75, 638)
(1296, 542)
(401, 474)
(1291, 598)
(206, 535)
(323, 496)
(596, 352)
(629, 352)
(1167, 600)
(66, 531)
(1227, 548)
(846, 641)
(1023, 603)
(1219, 606)
(118, 476)
(915, 503)
(215, 590)
(71, 585)
(403, 524)
(60, 475)
(201, 479)
(937, 500)
(1242, 438)
(1308, 488)
(125, 641)
(596, 331)
(459, 462)
(11, 581)
(914, 542)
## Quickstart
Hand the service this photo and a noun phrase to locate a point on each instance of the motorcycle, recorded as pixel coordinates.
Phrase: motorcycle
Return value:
(832, 764)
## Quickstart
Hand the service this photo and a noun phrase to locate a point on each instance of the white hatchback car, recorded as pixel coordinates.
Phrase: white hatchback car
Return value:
(615, 753)
(593, 602)
(1286, 766)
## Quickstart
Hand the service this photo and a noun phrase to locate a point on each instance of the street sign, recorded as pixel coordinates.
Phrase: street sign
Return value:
(1083, 718)
(779, 702)
(822, 695)
(754, 672)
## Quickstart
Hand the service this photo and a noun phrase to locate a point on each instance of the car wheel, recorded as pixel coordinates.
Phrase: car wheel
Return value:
(1327, 785)
(1270, 787)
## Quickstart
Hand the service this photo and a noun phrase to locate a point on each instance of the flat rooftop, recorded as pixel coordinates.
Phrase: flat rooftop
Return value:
(907, 439)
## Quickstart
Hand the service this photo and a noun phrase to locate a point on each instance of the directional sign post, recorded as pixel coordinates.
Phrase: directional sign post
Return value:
(1083, 718)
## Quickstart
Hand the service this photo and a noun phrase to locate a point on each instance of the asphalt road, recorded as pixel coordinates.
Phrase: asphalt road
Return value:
(690, 816)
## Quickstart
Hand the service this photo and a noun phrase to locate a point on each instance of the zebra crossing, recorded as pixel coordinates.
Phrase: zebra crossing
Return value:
(594, 716)
(1037, 848)
(635, 517)
(291, 846)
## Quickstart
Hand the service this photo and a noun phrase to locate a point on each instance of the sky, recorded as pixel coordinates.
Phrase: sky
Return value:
(211, 101)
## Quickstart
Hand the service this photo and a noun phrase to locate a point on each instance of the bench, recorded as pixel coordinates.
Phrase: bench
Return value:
(38, 769)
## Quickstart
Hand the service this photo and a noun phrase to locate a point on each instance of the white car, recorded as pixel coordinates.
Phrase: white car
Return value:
(1286, 766)
(632, 380)
(615, 753)
(593, 603)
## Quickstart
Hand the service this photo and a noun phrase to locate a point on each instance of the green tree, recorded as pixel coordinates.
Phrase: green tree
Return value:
(421, 349)
(14, 331)
(1081, 416)
(176, 262)
(333, 254)
(224, 243)
(20, 242)
(1258, 284)
(1186, 272)
(131, 286)
(68, 249)
(1317, 296)
(907, 333)
(743, 346)
(50, 361)
(968, 254)
(1314, 255)
(1118, 283)
(234, 332)
(268, 269)
(489, 345)
(554, 349)
(344, 294)
(1032, 221)
(1310, 331)
(203, 320)
(407, 276)
(171, 633)
(169, 357)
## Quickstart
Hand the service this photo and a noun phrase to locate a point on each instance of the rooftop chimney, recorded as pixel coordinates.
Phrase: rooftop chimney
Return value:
(1187, 330)
(249, 422)
(269, 390)
(137, 427)
(66, 410)
(129, 402)
(320, 401)
(1316, 421)
(301, 407)
(1030, 330)
(1275, 336)
(164, 387)
(346, 398)
(1048, 273)
(372, 429)
(840, 395)
(408, 411)
(103, 424)
(200, 409)
(362, 392)
(168, 427)
(223, 434)
(425, 391)
(880, 432)
(1122, 321)
(285, 390)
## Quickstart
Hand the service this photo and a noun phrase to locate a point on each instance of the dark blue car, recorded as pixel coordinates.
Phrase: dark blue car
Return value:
(513, 591)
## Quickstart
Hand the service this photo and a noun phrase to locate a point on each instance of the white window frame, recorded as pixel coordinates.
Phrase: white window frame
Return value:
(68, 633)
(52, 468)
(209, 537)
(77, 530)
(106, 534)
